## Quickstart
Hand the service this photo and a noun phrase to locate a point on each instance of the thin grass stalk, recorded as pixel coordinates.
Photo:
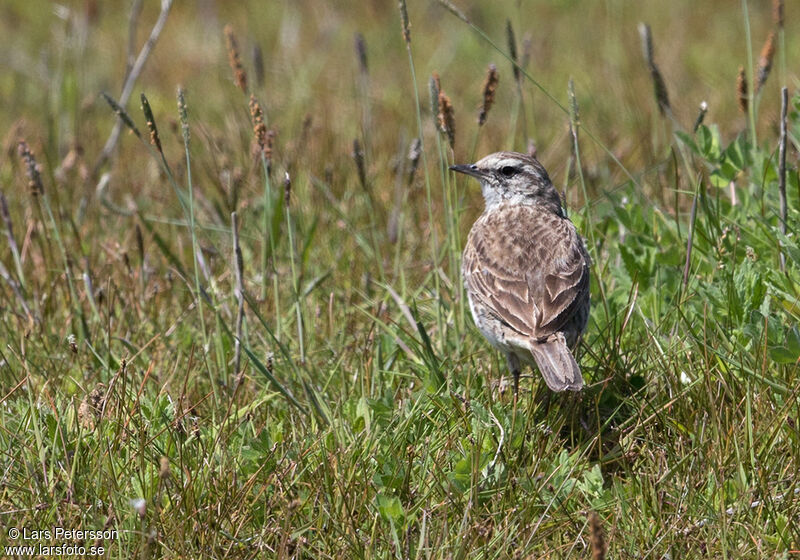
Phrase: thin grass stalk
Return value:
(778, 18)
(287, 200)
(263, 143)
(184, 118)
(12, 242)
(690, 240)
(518, 110)
(359, 160)
(445, 119)
(238, 292)
(575, 125)
(751, 114)
(450, 243)
(414, 154)
(782, 168)
(420, 135)
(268, 212)
(360, 47)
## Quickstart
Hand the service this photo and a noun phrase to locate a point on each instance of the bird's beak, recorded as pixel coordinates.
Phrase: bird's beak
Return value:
(470, 169)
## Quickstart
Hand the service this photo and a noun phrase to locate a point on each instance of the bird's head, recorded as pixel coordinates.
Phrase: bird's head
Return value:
(511, 177)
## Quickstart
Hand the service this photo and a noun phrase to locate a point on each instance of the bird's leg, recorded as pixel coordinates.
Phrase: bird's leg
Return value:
(514, 368)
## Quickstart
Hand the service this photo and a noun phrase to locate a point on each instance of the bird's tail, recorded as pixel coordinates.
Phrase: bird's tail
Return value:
(557, 364)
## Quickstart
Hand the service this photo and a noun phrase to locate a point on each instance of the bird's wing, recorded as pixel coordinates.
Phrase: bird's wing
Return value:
(528, 266)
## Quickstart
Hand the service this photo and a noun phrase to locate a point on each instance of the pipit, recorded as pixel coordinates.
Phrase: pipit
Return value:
(526, 270)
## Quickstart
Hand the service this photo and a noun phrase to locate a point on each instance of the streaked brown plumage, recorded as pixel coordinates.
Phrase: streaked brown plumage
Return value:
(526, 269)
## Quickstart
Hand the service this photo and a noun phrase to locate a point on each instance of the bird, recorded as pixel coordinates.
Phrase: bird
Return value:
(525, 269)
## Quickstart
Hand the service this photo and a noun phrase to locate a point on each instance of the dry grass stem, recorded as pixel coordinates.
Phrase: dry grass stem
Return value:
(489, 91)
(239, 73)
(765, 61)
(782, 168)
(238, 270)
(741, 90)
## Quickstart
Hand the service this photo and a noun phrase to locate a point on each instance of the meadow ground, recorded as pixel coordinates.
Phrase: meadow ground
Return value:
(325, 394)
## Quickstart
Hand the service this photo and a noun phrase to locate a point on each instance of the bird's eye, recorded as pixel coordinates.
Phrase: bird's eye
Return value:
(508, 171)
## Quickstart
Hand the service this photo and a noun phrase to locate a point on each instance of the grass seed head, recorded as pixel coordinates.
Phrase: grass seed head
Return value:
(512, 49)
(647, 43)
(446, 118)
(360, 45)
(574, 110)
(434, 87)
(258, 65)
(404, 21)
(660, 89)
(659, 86)
(122, 114)
(777, 13)
(765, 61)
(597, 538)
(259, 128)
(358, 158)
(414, 154)
(527, 51)
(155, 140)
(139, 243)
(453, 9)
(184, 115)
(287, 189)
(31, 168)
(489, 90)
(163, 467)
(239, 73)
(741, 90)
(269, 144)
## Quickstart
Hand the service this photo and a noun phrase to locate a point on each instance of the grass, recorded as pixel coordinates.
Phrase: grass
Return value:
(370, 419)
